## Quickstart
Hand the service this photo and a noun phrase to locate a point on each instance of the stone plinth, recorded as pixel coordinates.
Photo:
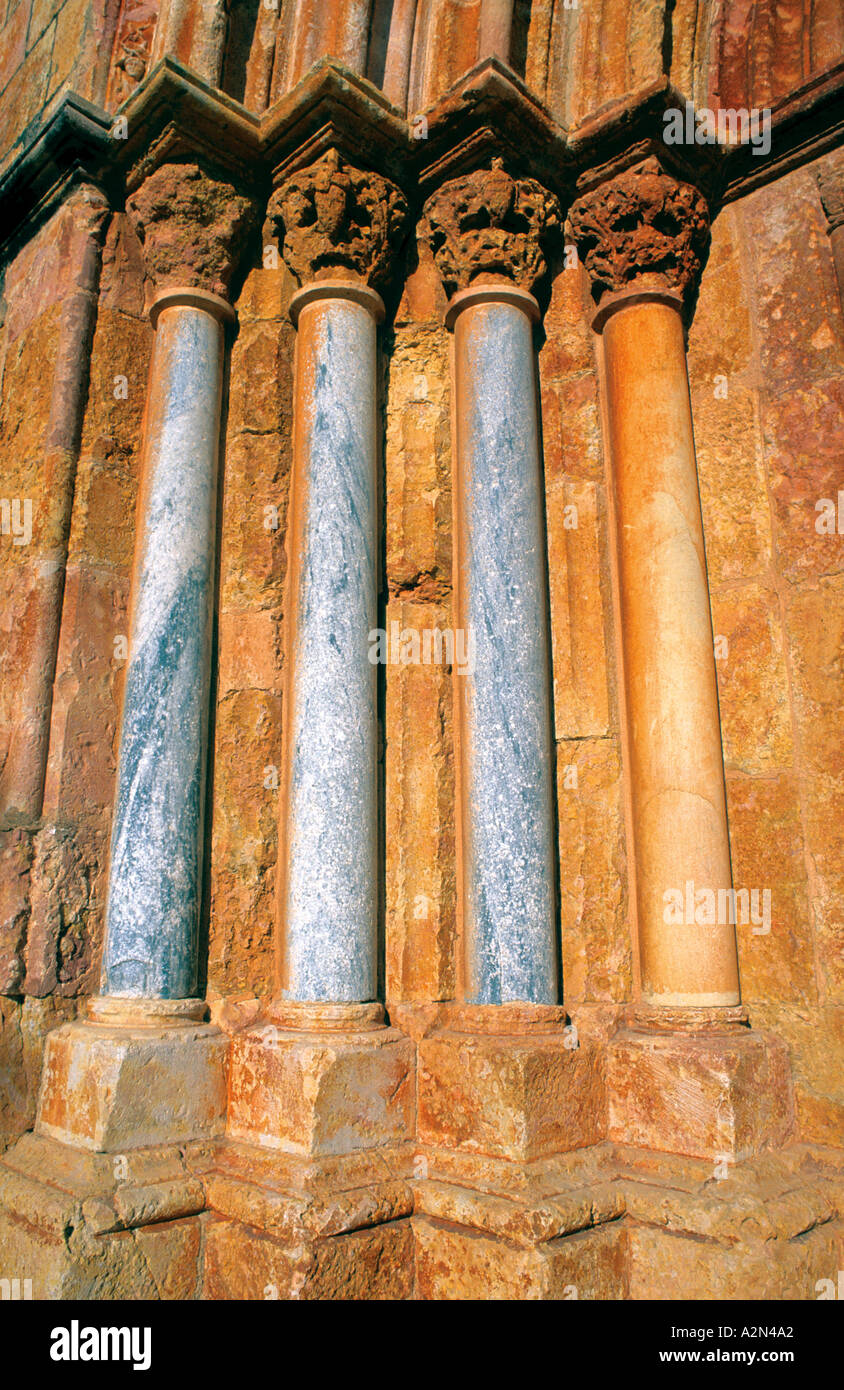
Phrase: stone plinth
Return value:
(116, 1225)
(312, 1092)
(286, 1226)
(510, 1082)
(112, 1089)
(711, 1094)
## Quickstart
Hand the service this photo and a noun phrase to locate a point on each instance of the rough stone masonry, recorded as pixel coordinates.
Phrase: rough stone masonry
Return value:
(327, 978)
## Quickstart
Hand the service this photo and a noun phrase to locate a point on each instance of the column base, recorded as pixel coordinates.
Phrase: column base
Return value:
(137, 1073)
(284, 1226)
(620, 1223)
(339, 1082)
(310, 1195)
(511, 1081)
(703, 1086)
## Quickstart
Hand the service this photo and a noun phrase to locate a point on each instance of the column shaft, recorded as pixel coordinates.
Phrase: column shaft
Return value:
(495, 29)
(676, 763)
(503, 706)
(156, 854)
(328, 883)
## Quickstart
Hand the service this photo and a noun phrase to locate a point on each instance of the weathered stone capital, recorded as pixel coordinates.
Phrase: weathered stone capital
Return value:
(193, 228)
(830, 177)
(642, 227)
(489, 223)
(332, 217)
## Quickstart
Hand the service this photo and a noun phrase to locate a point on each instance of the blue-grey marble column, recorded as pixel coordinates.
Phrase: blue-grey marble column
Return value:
(156, 851)
(328, 869)
(506, 822)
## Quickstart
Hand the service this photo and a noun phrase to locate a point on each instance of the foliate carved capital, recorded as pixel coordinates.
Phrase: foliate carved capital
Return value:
(332, 217)
(489, 223)
(830, 177)
(192, 228)
(642, 224)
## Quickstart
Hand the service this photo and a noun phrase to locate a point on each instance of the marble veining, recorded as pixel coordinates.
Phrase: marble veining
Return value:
(156, 852)
(330, 908)
(509, 851)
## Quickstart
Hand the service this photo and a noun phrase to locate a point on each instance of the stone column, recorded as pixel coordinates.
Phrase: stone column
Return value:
(192, 228)
(488, 231)
(495, 27)
(338, 227)
(194, 31)
(642, 237)
(502, 1076)
(84, 220)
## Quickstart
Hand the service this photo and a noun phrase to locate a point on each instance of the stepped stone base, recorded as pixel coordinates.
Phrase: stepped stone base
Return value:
(102, 1226)
(506, 1181)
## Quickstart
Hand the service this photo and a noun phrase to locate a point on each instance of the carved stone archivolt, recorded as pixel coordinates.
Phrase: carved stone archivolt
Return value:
(332, 218)
(193, 228)
(643, 225)
(491, 224)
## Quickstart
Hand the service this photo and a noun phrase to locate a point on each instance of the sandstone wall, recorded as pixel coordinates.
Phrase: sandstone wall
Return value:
(768, 322)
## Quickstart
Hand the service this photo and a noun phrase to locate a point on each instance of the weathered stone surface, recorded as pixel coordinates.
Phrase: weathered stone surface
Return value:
(752, 681)
(662, 1263)
(24, 1024)
(192, 227)
(455, 1263)
(768, 854)
(815, 1039)
(420, 889)
(311, 1093)
(112, 1089)
(332, 217)
(697, 1095)
(579, 608)
(514, 1097)
(643, 224)
(491, 224)
(597, 964)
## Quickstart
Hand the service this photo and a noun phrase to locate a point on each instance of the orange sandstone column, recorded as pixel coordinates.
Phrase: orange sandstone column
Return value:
(495, 29)
(643, 236)
(22, 774)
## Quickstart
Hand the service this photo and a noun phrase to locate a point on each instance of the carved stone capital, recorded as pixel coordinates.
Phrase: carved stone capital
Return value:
(192, 228)
(642, 227)
(491, 224)
(830, 177)
(332, 218)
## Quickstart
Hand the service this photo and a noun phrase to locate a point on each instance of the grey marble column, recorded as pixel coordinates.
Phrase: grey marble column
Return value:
(156, 852)
(338, 227)
(504, 713)
(487, 231)
(329, 888)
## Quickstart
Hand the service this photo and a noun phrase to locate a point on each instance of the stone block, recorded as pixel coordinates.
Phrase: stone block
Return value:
(320, 1092)
(516, 1097)
(111, 1089)
(717, 1095)
(663, 1265)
